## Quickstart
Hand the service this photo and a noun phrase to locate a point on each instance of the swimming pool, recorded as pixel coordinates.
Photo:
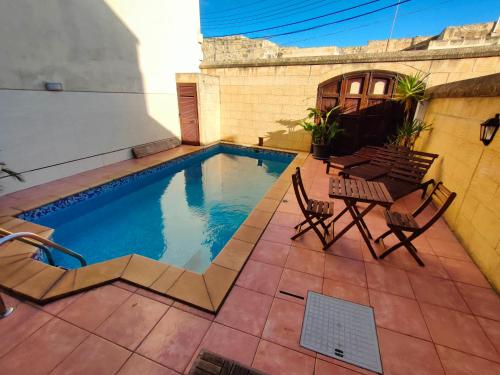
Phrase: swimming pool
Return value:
(181, 212)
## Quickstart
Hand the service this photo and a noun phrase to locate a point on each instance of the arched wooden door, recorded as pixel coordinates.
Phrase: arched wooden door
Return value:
(369, 116)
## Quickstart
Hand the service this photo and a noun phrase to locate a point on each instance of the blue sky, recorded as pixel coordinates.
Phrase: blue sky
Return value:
(415, 17)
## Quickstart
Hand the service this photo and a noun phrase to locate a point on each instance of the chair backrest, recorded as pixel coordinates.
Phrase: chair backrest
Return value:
(300, 191)
(413, 167)
(442, 198)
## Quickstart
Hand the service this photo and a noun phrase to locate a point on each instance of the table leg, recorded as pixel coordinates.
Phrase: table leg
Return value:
(366, 237)
(362, 221)
(356, 218)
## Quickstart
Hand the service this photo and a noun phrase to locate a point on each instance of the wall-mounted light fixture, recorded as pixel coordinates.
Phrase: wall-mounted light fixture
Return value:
(54, 86)
(489, 129)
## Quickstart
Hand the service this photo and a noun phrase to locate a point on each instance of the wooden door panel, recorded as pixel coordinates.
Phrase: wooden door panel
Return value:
(188, 114)
(370, 115)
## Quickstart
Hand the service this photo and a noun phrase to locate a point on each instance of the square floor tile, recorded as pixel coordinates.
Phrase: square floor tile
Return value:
(449, 249)
(284, 325)
(482, 301)
(84, 312)
(154, 296)
(245, 310)
(193, 310)
(270, 252)
(458, 363)
(327, 368)
(132, 321)
(278, 233)
(94, 356)
(388, 279)
(229, 343)
(174, 339)
(309, 240)
(286, 219)
(56, 307)
(278, 360)
(398, 314)
(25, 320)
(346, 291)
(346, 270)
(294, 285)
(347, 247)
(465, 272)
(404, 355)
(458, 330)
(260, 277)
(492, 330)
(437, 291)
(43, 350)
(138, 365)
(307, 261)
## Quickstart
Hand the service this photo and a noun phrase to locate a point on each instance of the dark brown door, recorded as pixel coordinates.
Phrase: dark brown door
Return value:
(188, 113)
(369, 116)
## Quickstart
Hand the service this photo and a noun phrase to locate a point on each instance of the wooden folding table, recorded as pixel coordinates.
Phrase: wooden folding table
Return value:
(358, 191)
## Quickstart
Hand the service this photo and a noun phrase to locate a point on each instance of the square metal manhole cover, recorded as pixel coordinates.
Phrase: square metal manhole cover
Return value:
(342, 330)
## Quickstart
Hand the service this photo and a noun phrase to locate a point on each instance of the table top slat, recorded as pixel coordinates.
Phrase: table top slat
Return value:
(359, 190)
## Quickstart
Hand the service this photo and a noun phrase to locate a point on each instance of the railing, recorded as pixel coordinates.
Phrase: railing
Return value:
(40, 242)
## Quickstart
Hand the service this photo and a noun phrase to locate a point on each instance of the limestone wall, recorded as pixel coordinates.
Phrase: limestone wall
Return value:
(472, 170)
(266, 99)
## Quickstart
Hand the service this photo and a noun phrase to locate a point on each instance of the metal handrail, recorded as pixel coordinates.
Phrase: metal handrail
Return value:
(45, 250)
(23, 235)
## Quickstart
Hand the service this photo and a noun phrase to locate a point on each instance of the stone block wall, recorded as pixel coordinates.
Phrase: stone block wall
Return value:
(263, 100)
(472, 170)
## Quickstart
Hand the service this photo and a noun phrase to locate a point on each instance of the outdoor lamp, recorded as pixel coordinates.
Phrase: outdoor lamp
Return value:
(489, 129)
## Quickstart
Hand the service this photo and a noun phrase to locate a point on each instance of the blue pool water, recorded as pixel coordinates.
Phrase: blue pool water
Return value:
(181, 213)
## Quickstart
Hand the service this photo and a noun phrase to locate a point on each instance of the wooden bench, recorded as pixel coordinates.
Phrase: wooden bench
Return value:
(155, 147)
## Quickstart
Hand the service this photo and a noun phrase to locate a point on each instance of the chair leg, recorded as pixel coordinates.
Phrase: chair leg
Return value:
(425, 186)
(303, 231)
(382, 236)
(404, 241)
(328, 167)
(313, 226)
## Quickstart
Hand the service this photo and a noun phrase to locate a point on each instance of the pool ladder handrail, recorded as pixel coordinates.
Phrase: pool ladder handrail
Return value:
(41, 243)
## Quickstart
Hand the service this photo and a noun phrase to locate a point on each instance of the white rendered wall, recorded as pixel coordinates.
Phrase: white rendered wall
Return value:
(117, 60)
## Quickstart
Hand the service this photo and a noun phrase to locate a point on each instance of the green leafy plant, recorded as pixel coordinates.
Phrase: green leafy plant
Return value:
(408, 133)
(410, 90)
(323, 125)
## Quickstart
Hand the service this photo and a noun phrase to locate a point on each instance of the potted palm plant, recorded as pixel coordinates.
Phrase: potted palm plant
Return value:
(410, 91)
(324, 127)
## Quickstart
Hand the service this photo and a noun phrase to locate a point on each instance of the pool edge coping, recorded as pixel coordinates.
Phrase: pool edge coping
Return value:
(41, 283)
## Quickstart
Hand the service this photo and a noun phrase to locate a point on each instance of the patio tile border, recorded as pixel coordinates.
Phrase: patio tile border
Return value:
(41, 283)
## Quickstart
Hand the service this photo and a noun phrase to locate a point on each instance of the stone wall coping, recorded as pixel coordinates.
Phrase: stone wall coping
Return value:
(397, 56)
(485, 86)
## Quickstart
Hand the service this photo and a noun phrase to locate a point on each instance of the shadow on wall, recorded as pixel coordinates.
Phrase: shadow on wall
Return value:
(293, 136)
(103, 110)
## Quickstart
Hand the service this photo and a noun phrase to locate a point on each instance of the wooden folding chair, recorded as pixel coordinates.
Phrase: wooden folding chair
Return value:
(315, 212)
(399, 223)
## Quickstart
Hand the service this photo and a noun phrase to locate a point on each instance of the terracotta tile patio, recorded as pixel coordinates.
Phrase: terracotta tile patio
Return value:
(441, 319)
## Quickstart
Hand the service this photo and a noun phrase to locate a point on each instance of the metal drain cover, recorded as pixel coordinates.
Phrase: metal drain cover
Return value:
(342, 330)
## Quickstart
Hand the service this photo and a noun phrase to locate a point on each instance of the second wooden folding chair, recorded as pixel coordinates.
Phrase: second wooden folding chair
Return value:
(399, 223)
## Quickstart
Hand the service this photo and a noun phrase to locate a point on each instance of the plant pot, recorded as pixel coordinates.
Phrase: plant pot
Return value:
(321, 151)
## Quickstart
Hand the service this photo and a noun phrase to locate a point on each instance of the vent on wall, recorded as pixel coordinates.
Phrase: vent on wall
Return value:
(54, 86)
